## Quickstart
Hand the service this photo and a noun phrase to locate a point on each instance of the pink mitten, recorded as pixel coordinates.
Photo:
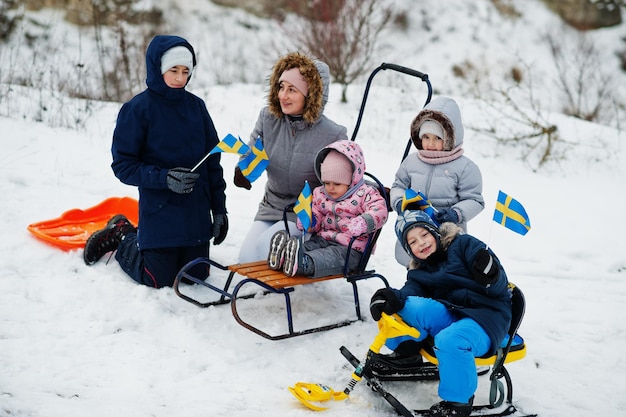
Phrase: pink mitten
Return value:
(357, 226)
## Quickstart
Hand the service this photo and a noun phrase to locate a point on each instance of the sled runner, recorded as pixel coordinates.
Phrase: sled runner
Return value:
(72, 228)
(271, 281)
(500, 396)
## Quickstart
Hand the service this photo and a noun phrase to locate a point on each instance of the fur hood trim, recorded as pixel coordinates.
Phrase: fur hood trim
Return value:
(448, 231)
(446, 112)
(316, 74)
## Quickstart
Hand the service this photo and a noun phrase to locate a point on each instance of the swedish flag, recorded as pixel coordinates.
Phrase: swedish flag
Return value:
(231, 144)
(303, 207)
(253, 165)
(511, 214)
(418, 201)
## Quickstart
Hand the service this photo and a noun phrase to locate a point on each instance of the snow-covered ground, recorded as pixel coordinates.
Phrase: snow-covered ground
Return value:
(78, 340)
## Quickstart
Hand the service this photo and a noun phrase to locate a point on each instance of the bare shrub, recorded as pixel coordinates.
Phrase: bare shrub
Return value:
(122, 65)
(586, 89)
(8, 18)
(345, 37)
(527, 127)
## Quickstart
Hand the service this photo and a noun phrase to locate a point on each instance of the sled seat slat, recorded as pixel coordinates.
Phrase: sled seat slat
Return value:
(260, 271)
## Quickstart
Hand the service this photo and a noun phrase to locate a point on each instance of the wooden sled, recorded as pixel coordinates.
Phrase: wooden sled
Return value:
(269, 282)
(276, 282)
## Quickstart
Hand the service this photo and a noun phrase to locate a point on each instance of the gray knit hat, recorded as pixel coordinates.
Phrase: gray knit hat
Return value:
(432, 127)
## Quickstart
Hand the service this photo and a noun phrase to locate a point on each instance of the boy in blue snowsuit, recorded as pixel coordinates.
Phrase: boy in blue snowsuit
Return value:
(457, 292)
(160, 135)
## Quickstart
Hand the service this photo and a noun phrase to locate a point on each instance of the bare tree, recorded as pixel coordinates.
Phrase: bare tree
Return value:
(586, 88)
(341, 33)
(527, 128)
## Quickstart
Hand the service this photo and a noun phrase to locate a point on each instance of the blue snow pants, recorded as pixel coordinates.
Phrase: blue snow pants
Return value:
(158, 267)
(457, 342)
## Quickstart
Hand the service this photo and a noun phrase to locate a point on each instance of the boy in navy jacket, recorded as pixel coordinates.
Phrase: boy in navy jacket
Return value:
(160, 135)
(457, 292)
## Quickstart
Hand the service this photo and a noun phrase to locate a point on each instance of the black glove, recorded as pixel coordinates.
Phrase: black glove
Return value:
(485, 269)
(181, 180)
(447, 215)
(385, 300)
(241, 181)
(220, 228)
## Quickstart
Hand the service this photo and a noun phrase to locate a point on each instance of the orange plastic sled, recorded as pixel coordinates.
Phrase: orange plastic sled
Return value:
(72, 229)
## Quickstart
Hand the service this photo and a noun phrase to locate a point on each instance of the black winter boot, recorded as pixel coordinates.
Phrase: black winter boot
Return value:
(404, 360)
(451, 409)
(106, 239)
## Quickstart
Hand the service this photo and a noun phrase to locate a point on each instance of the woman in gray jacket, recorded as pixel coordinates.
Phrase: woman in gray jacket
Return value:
(293, 129)
(449, 179)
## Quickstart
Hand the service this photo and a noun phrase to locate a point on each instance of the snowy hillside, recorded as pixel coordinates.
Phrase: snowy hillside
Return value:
(78, 340)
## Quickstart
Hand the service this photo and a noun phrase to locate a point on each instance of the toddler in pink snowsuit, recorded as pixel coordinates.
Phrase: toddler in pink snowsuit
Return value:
(343, 207)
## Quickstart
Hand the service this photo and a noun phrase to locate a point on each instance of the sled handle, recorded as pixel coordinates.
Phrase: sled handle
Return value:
(395, 67)
(404, 70)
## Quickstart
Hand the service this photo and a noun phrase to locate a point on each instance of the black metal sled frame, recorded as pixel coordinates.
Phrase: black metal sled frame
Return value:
(277, 288)
(270, 282)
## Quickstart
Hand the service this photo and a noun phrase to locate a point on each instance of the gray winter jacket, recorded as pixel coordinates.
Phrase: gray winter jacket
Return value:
(455, 184)
(291, 144)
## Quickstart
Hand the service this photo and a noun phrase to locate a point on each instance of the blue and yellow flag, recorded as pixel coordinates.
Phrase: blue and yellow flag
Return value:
(253, 165)
(511, 214)
(231, 144)
(419, 202)
(303, 207)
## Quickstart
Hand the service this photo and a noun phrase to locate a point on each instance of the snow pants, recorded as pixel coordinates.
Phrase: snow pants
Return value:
(457, 342)
(158, 267)
(329, 257)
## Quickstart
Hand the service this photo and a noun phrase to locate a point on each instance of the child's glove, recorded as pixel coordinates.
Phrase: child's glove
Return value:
(485, 269)
(220, 228)
(385, 300)
(240, 180)
(181, 180)
(357, 226)
(447, 215)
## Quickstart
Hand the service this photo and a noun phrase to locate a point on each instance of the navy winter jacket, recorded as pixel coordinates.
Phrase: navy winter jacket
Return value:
(163, 128)
(449, 281)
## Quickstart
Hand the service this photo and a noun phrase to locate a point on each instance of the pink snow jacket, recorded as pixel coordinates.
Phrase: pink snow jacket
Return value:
(332, 216)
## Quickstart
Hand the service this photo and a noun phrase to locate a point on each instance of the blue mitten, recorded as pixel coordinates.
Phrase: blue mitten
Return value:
(447, 215)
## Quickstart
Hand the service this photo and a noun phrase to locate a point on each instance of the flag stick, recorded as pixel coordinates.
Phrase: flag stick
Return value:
(201, 161)
(489, 236)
